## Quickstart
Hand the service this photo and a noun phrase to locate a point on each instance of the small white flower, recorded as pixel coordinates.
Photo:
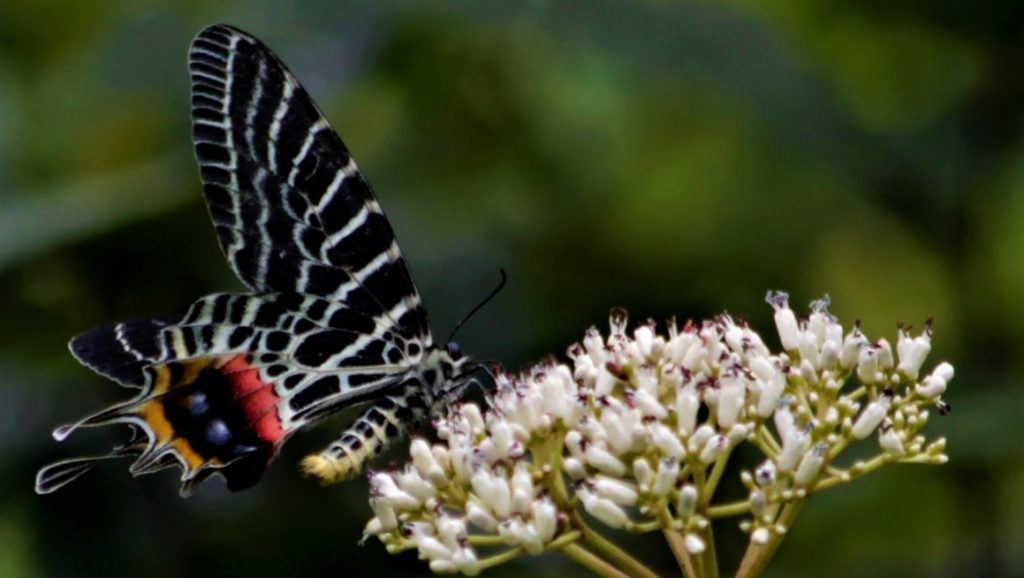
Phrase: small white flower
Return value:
(480, 517)
(426, 463)
(793, 447)
(765, 473)
(714, 448)
(686, 505)
(868, 364)
(465, 561)
(603, 461)
(912, 352)
(687, 406)
(694, 544)
(574, 468)
(605, 510)
(885, 360)
(785, 321)
(889, 440)
(731, 399)
(943, 371)
(760, 536)
(852, 344)
(545, 519)
(666, 440)
(758, 503)
(643, 474)
(621, 492)
(385, 489)
(665, 478)
(810, 465)
(872, 415)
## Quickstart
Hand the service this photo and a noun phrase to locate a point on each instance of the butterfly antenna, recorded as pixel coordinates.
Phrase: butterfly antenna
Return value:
(492, 295)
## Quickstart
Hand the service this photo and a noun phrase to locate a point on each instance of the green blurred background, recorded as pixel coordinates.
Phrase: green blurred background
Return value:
(671, 157)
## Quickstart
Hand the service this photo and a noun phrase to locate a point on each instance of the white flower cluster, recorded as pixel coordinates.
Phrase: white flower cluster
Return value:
(638, 430)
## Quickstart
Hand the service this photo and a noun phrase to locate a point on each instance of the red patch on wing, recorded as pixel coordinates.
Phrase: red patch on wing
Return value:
(257, 398)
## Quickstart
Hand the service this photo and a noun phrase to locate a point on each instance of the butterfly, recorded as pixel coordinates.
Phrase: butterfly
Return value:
(332, 318)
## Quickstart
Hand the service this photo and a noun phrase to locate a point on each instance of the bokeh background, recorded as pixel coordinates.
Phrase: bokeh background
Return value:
(670, 157)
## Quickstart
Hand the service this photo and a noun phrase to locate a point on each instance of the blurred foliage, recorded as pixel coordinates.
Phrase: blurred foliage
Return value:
(673, 157)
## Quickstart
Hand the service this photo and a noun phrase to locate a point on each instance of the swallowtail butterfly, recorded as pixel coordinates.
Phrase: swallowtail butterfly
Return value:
(332, 318)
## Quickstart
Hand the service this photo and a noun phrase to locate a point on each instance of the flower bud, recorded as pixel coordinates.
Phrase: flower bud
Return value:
(867, 365)
(545, 519)
(872, 415)
(889, 440)
(694, 544)
(618, 491)
(687, 406)
(793, 448)
(604, 461)
(642, 473)
(666, 441)
(465, 562)
(603, 509)
(686, 505)
(730, 401)
(785, 321)
(665, 478)
(714, 448)
(912, 353)
(810, 465)
(481, 518)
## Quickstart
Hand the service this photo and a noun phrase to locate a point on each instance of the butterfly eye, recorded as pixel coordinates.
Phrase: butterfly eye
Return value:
(454, 350)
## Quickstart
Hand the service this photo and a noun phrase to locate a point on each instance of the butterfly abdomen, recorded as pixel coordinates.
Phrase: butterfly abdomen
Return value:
(368, 437)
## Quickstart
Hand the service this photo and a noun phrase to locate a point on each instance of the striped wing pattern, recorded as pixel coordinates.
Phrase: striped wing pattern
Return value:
(333, 318)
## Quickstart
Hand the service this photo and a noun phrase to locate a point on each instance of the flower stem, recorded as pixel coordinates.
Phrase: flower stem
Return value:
(731, 509)
(705, 487)
(678, 545)
(757, 555)
(591, 562)
(550, 454)
(609, 550)
(496, 559)
(675, 543)
(485, 540)
(853, 473)
(559, 543)
(767, 442)
(709, 556)
(712, 483)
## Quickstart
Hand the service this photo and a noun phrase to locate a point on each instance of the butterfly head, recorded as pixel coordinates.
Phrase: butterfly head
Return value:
(454, 373)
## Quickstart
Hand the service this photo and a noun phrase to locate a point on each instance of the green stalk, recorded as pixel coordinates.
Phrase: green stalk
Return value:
(496, 559)
(550, 454)
(677, 544)
(588, 560)
(731, 509)
(709, 561)
(609, 550)
(712, 483)
(757, 555)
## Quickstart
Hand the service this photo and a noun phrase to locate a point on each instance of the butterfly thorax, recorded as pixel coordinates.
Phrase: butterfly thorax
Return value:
(425, 390)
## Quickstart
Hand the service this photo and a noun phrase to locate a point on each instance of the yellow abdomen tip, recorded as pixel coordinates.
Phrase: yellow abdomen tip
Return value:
(328, 470)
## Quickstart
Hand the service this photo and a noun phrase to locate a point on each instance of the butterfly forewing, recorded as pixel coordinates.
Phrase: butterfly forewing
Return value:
(333, 319)
(292, 211)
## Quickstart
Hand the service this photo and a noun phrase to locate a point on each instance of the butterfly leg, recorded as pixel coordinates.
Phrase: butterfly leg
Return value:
(366, 438)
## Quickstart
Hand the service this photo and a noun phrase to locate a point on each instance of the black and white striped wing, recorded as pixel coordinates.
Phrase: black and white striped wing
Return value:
(293, 212)
(334, 318)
